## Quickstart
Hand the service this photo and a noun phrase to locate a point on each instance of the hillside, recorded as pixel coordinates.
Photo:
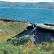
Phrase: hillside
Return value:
(9, 29)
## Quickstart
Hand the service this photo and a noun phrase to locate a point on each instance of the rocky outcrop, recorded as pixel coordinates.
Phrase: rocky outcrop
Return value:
(36, 35)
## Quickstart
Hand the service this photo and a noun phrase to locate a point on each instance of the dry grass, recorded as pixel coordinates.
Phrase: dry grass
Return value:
(9, 29)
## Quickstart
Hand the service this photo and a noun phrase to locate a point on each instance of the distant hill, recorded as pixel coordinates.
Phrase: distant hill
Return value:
(27, 5)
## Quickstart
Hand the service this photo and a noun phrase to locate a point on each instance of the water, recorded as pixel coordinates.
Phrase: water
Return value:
(34, 15)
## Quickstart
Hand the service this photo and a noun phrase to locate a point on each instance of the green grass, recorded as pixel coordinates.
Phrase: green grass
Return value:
(7, 48)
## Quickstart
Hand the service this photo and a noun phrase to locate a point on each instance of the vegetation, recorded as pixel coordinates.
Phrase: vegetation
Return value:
(9, 30)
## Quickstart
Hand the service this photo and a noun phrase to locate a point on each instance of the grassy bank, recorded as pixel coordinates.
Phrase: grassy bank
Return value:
(10, 29)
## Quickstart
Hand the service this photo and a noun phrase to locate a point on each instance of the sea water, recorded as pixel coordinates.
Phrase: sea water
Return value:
(33, 15)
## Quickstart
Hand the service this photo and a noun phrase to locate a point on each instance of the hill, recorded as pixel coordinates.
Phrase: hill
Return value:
(27, 5)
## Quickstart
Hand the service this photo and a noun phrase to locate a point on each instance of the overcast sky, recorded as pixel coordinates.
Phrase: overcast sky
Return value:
(28, 0)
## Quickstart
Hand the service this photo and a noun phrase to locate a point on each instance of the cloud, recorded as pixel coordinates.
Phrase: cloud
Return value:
(28, 0)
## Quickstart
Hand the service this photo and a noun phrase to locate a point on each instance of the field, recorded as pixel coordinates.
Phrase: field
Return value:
(9, 30)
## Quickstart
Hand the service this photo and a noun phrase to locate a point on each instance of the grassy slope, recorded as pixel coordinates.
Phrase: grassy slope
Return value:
(9, 29)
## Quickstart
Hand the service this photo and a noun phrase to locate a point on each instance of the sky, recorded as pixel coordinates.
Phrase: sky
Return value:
(28, 0)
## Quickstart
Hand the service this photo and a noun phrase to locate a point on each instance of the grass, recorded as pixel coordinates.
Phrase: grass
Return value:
(7, 48)
(10, 29)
